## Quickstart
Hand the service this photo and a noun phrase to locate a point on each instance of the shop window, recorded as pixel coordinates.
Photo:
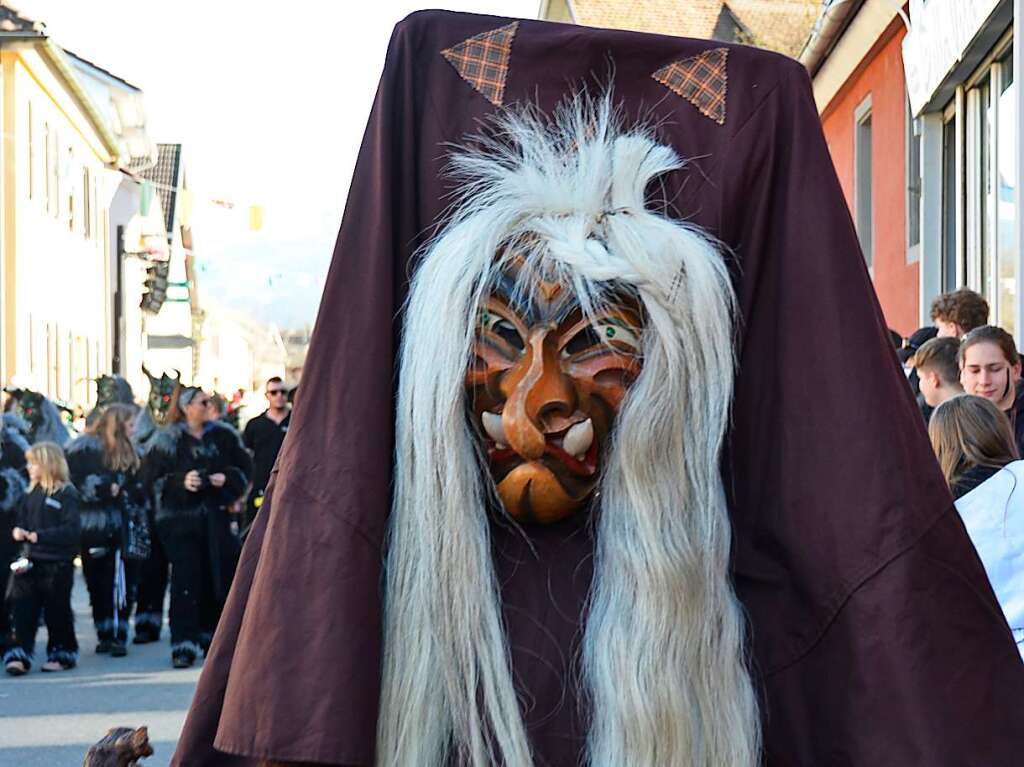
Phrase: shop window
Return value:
(862, 182)
(949, 191)
(979, 187)
(1006, 197)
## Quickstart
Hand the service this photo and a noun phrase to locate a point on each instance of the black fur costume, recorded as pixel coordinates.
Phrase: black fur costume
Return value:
(107, 523)
(153, 572)
(194, 527)
(13, 481)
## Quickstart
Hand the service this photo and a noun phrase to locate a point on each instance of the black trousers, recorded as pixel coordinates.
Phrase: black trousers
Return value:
(46, 588)
(99, 574)
(195, 608)
(152, 588)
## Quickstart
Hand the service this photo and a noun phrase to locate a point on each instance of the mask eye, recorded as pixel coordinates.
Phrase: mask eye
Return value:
(608, 330)
(499, 326)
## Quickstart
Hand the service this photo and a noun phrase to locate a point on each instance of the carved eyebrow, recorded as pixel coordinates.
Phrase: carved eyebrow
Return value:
(506, 286)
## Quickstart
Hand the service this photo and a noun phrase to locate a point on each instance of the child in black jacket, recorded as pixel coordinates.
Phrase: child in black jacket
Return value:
(47, 527)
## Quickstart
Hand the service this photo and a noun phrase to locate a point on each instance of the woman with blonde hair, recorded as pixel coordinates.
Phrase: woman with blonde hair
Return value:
(972, 439)
(47, 526)
(104, 466)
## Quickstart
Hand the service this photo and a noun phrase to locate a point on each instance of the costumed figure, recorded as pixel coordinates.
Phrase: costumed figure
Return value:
(110, 389)
(564, 486)
(45, 423)
(154, 569)
(197, 468)
(104, 466)
(13, 481)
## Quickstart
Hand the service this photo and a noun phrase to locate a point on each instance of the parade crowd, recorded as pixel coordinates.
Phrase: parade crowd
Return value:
(147, 498)
(161, 496)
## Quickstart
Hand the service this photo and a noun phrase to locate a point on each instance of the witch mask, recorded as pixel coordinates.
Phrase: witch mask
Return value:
(544, 385)
(163, 393)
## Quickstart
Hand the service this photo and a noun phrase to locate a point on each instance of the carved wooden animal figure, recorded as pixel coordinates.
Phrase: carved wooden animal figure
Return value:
(120, 747)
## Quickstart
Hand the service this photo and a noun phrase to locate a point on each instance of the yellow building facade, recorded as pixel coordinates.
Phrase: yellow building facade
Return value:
(58, 175)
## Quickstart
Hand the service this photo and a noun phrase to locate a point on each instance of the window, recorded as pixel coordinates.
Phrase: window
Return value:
(31, 155)
(67, 173)
(949, 190)
(862, 186)
(913, 186)
(86, 204)
(1006, 197)
(48, 166)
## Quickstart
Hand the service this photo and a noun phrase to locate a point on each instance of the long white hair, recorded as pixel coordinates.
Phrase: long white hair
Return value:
(663, 652)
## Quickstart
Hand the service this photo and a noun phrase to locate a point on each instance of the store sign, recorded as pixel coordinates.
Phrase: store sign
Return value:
(940, 33)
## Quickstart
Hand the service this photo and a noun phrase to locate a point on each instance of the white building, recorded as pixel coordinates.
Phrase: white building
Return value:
(59, 175)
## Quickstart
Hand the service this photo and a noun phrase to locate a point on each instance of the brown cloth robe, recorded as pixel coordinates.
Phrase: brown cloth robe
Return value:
(876, 638)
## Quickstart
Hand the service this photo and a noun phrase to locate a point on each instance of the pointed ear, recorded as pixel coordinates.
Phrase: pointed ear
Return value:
(482, 61)
(140, 742)
(702, 80)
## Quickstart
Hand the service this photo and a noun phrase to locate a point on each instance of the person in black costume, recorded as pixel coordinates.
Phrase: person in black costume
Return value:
(13, 481)
(153, 570)
(197, 468)
(47, 529)
(104, 468)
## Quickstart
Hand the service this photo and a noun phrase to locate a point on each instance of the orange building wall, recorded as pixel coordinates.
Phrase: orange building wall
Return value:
(881, 75)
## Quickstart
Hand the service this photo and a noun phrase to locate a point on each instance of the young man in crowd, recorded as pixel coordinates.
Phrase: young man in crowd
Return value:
(264, 435)
(959, 312)
(938, 370)
(990, 367)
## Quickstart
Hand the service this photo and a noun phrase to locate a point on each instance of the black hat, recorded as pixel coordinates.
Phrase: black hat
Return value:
(916, 340)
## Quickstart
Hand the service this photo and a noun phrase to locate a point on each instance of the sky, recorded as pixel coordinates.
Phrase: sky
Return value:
(269, 101)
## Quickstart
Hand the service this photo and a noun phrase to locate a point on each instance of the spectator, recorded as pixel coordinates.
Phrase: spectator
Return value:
(980, 459)
(972, 440)
(938, 370)
(47, 526)
(264, 436)
(990, 367)
(959, 312)
(906, 356)
(104, 468)
(198, 468)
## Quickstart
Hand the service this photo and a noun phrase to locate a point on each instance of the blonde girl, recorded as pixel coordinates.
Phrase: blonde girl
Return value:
(47, 529)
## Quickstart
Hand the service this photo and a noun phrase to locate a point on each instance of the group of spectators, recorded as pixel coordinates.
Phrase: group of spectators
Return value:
(143, 498)
(961, 354)
(966, 375)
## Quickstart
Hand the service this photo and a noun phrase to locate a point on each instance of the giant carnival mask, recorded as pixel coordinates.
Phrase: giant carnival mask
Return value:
(545, 383)
(163, 393)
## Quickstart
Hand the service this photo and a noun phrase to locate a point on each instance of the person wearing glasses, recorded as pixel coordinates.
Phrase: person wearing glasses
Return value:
(197, 468)
(264, 436)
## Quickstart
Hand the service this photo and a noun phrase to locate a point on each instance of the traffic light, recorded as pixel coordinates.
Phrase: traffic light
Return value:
(156, 287)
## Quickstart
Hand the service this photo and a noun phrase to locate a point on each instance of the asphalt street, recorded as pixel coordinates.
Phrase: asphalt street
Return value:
(50, 720)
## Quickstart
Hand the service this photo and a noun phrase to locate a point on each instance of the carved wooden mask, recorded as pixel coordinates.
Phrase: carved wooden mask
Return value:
(545, 384)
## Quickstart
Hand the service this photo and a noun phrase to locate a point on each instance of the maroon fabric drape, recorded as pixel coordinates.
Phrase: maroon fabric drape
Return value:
(876, 638)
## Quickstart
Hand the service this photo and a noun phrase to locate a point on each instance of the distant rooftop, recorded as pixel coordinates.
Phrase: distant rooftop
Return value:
(13, 24)
(780, 25)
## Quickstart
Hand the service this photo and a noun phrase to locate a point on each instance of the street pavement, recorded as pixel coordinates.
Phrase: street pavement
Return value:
(50, 720)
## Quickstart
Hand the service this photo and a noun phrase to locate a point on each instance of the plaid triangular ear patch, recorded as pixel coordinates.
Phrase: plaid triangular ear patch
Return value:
(701, 80)
(482, 61)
